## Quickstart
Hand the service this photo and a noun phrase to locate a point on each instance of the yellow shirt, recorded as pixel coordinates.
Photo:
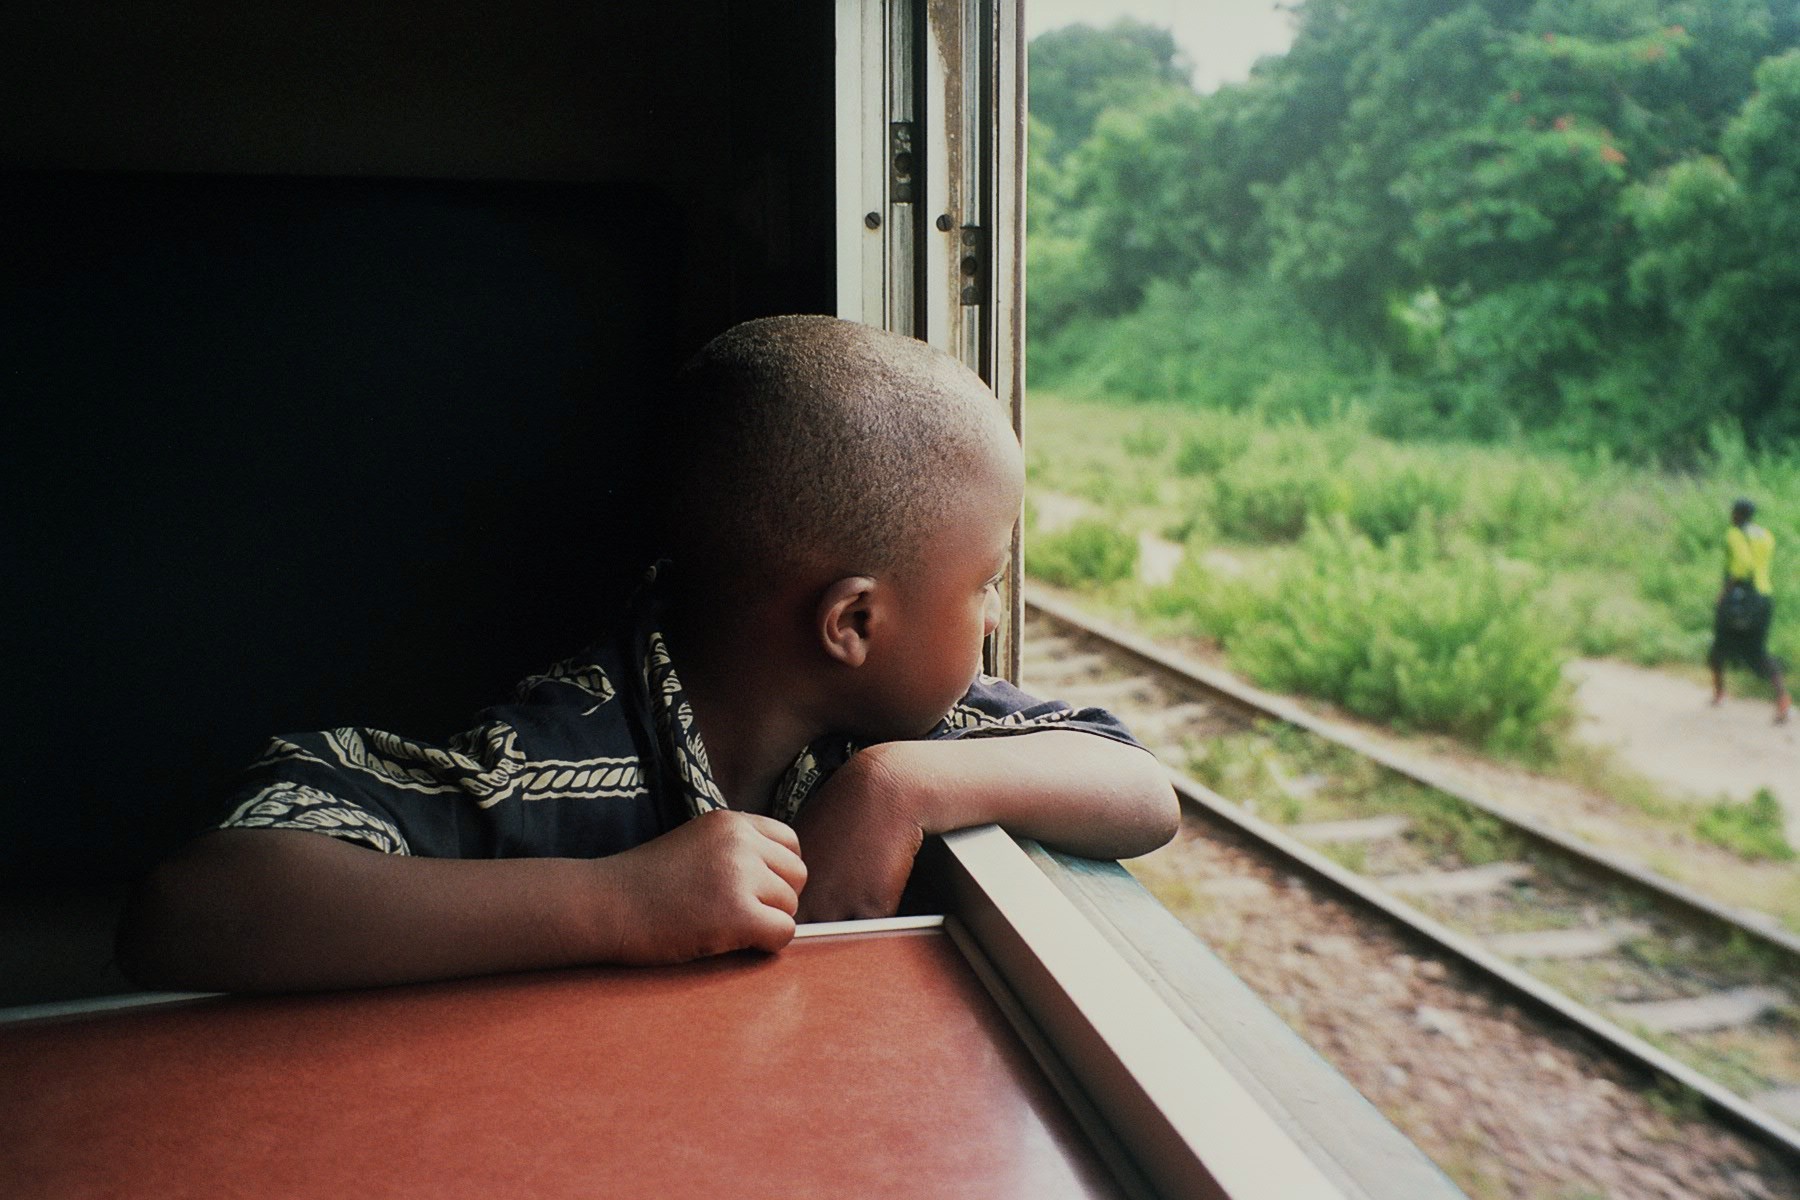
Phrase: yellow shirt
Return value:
(1748, 552)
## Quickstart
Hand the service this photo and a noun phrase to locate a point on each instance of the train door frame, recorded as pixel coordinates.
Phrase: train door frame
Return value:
(930, 229)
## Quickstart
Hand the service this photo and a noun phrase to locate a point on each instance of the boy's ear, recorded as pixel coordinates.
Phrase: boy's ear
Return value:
(846, 613)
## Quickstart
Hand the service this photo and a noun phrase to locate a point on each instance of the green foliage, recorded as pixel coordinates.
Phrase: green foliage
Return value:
(1401, 493)
(1516, 503)
(1721, 262)
(1420, 633)
(1753, 830)
(1078, 72)
(1087, 553)
(1412, 635)
(1147, 441)
(1631, 556)
(1268, 489)
(1207, 602)
(1211, 341)
(1212, 442)
(1272, 499)
(1569, 219)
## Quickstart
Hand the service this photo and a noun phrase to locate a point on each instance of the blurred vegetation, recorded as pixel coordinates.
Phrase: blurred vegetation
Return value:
(1754, 830)
(1087, 552)
(1432, 585)
(1570, 222)
(1443, 342)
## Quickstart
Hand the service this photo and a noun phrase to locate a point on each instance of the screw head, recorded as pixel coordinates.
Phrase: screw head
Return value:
(873, 220)
(944, 223)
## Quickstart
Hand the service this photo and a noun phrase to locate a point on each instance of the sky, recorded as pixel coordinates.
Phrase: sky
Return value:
(1221, 37)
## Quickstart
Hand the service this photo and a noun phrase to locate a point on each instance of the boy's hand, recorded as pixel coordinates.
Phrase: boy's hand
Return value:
(722, 881)
(861, 836)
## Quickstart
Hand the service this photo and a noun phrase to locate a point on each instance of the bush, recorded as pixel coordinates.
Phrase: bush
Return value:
(1753, 830)
(1263, 499)
(1684, 588)
(1087, 553)
(1216, 444)
(1406, 634)
(1630, 555)
(1616, 624)
(1295, 473)
(1204, 601)
(1390, 494)
(1216, 341)
(1518, 505)
(1147, 441)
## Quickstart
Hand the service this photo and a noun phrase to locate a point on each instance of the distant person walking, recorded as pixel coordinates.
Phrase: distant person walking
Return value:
(1745, 607)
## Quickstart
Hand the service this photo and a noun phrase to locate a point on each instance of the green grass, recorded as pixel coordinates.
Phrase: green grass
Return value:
(1088, 552)
(1248, 768)
(1409, 632)
(1754, 830)
(1430, 585)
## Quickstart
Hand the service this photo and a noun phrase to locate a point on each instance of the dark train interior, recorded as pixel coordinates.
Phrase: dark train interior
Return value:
(328, 331)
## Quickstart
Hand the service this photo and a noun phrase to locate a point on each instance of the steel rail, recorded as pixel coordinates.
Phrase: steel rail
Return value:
(1208, 805)
(1197, 798)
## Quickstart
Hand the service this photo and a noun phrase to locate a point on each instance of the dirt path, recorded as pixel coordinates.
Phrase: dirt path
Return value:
(1661, 727)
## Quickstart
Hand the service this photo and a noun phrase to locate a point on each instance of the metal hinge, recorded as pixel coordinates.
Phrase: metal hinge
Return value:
(972, 265)
(901, 162)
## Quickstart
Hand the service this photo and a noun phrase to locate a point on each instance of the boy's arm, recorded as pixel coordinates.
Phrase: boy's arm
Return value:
(1075, 791)
(279, 910)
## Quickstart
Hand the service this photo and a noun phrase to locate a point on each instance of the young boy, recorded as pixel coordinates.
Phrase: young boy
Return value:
(793, 703)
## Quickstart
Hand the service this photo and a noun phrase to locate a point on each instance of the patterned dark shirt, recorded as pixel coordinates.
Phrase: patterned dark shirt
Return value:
(595, 755)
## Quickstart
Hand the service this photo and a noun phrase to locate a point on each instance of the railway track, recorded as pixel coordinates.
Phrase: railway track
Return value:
(1689, 990)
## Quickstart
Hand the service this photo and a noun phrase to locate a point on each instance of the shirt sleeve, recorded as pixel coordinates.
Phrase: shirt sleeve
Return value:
(291, 786)
(528, 786)
(995, 708)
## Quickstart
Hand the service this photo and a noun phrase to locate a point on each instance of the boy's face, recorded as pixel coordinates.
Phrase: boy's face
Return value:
(947, 604)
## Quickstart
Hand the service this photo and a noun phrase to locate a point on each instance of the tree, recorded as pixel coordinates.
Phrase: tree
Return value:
(1567, 216)
(1078, 72)
(1721, 261)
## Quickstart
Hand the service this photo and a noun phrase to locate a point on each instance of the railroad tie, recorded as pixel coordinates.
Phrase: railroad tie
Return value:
(1044, 649)
(1697, 1014)
(1233, 887)
(1468, 881)
(1164, 723)
(1566, 943)
(1139, 688)
(1068, 667)
(1297, 787)
(1365, 829)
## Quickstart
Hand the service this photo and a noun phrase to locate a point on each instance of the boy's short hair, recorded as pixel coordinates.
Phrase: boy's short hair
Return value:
(809, 443)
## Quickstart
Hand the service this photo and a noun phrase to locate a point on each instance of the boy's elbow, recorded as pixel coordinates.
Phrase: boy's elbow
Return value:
(177, 932)
(1134, 809)
(1157, 808)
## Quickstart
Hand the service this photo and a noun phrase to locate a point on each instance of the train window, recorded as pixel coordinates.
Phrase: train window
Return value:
(329, 337)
